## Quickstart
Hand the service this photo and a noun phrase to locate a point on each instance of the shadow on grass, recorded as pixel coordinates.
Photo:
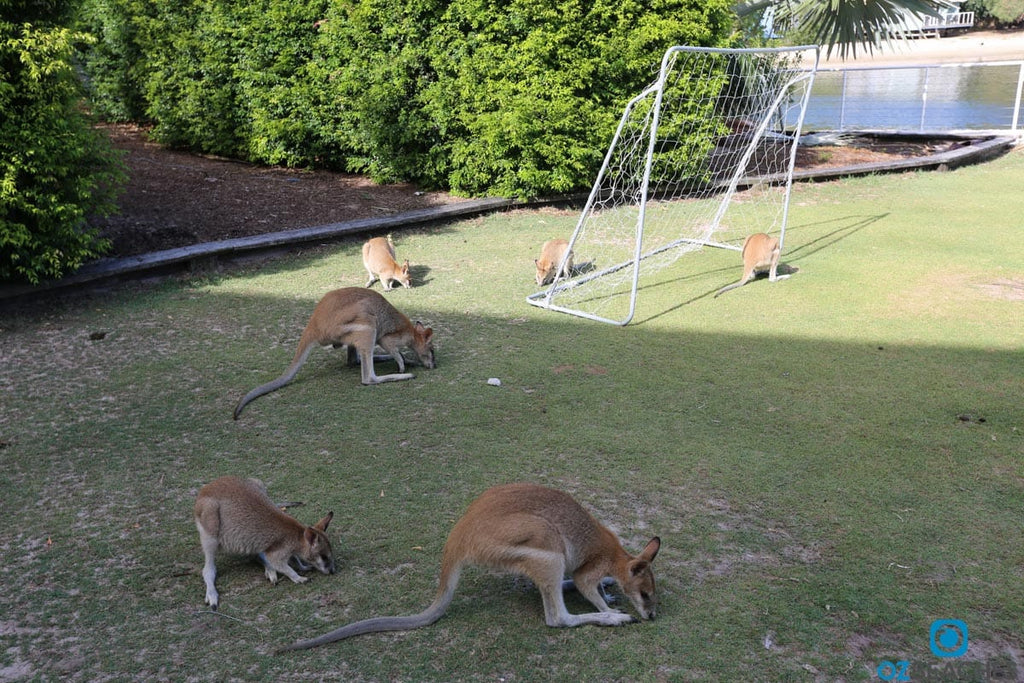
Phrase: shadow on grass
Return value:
(848, 226)
(782, 474)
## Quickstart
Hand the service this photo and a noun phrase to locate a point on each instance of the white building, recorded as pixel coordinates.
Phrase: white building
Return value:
(950, 17)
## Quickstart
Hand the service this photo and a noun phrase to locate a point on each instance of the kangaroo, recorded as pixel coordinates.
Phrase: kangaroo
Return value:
(551, 255)
(237, 516)
(544, 534)
(379, 261)
(760, 252)
(359, 319)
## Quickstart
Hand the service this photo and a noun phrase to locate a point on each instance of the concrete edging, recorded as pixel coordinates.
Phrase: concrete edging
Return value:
(975, 151)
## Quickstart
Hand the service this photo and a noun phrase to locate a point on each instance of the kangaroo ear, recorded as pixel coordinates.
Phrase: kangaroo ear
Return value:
(644, 559)
(405, 267)
(322, 524)
(650, 551)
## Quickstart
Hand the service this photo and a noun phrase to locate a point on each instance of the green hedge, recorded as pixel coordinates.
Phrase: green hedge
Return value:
(479, 97)
(55, 169)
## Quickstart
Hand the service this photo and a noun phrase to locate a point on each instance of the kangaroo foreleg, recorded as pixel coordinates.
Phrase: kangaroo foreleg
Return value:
(300, 565)
(597, 594)
(547, 570)
(556, 614)
(355, 358)
(271, 567)
(395, 352)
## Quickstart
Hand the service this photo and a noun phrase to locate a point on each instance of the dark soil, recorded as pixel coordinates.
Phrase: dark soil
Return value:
(175, 199)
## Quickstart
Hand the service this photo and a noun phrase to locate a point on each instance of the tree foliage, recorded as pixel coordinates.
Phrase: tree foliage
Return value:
(999, 12)
(55, 169)
(514, 98)
(841, 25)
(848, 23)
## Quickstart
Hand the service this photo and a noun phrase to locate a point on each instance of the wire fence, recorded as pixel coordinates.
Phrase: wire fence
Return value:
(974, 97)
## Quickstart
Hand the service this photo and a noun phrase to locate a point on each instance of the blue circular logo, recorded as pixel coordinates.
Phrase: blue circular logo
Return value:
(948, 638)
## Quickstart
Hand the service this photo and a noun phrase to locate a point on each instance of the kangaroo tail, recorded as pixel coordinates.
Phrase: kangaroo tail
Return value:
(725, 289)
(274, 385)
(382, 624)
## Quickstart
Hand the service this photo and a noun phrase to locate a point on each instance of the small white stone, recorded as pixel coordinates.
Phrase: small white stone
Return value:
(494, 382)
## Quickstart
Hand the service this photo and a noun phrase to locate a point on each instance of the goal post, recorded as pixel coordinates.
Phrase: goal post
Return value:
(704, 156)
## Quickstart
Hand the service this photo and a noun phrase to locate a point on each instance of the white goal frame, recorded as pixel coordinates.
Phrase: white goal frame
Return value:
(621, 188)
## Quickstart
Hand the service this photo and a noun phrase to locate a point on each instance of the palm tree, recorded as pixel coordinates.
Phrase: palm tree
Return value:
(842, 24)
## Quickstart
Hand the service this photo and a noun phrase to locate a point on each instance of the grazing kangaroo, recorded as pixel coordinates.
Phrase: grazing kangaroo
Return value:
(236, 515)
(551, 255)
(379, 261)
(760, 252)
(544, 534)
(359, 319)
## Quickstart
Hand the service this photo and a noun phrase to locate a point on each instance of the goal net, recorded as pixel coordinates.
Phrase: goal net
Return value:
(702, 157)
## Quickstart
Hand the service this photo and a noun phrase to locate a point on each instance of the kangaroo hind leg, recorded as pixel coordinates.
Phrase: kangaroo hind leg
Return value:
(209, 544)
(365, 349)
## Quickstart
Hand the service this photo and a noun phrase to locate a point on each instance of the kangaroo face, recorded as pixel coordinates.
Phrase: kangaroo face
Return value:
(641, 594)
(545, 272)
(404, 276)
(317, 547)
(423, 345)
(321, 555)
(639, 584)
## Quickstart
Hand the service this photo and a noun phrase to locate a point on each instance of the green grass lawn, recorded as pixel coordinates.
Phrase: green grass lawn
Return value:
(833, 461)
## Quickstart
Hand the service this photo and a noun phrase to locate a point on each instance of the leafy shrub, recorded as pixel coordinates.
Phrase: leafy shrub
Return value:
(55, 169)
(1003, 13)
(477, 96)
(533, 89)
(117, 62)
(377, 53)
(515, 99)
(192, 87)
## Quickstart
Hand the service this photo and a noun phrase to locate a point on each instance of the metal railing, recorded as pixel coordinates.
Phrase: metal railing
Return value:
(979, 96)
(952, 20)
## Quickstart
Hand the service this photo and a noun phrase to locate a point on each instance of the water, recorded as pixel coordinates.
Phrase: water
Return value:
(975, 97)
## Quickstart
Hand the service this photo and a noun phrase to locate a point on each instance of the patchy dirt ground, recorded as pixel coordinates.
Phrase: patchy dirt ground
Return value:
(175, 199)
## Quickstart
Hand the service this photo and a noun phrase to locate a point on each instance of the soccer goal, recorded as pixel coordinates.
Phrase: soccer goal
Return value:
(702, 158)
